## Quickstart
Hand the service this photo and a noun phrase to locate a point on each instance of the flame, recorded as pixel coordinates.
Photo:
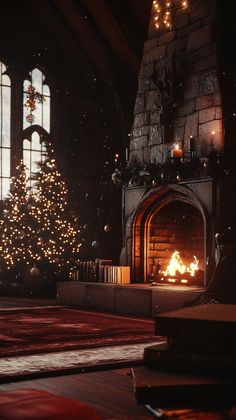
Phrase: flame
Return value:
(176, 265)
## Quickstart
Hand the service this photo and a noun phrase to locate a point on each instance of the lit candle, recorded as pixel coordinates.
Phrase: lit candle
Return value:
(177, 152)
(212, 138)
(126, 154)
(191, 145)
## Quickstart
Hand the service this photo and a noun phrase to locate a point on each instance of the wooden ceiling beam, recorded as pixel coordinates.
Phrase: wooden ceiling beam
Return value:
(86, 37)
(142, 10)
(63, 38)
(113, 34)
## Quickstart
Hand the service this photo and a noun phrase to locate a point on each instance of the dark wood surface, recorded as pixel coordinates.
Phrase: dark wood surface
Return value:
(109, 392)
(171, 389)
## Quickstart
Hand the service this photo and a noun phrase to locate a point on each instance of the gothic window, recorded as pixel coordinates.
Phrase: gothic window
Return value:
(36, 124)
(36, 119)
(33, 152)
(5, 135)
(41, 112)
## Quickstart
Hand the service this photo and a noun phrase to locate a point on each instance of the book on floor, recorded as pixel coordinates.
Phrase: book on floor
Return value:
(209, 328)
(171, 389)
(163, 357)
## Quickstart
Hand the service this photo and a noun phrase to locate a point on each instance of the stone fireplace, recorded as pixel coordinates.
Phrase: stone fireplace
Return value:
(174, 198)
(165, 219)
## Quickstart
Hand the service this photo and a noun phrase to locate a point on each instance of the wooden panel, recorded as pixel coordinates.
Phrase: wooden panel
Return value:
(172, 297)
(71, 293)
(100, 297)
(133, 301)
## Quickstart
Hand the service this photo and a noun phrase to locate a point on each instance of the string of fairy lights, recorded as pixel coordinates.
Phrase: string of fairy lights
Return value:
(36, 226)
(162, 11)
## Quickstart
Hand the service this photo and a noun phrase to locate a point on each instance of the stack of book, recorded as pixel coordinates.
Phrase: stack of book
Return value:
(117, 274)
(197, 364)
(100, 265)
(89, 270)
(100, 271)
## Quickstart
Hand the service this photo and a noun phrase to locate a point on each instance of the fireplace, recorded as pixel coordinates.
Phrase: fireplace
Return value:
(174, 245)
(168, 219)
(176, 188)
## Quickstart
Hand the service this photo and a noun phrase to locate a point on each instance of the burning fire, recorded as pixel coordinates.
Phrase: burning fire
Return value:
(176, 266)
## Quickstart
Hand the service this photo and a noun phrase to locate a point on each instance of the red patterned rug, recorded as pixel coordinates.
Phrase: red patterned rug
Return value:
(25, 331)
(51, 340)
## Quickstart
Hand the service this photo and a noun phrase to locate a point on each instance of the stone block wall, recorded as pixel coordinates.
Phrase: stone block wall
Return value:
(179, 94)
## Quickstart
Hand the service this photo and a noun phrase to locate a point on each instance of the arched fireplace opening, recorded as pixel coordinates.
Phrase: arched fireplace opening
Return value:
(171, 238)
(175, 250)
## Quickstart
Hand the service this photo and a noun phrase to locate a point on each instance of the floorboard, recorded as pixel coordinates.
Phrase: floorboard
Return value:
(109, 392)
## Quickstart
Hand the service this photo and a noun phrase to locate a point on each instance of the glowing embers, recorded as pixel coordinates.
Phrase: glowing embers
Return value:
(180, 273)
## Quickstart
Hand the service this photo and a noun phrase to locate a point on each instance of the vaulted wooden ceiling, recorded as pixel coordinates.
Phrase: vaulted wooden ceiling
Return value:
(85, 42)
(98, 35)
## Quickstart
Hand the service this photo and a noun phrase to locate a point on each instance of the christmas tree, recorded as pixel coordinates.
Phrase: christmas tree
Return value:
(16, 225)
(57, 232)
(37, 228)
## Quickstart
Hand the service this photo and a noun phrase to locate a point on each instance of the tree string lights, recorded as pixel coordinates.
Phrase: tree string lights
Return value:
(15, 224)
(58, 232)
(36, 226)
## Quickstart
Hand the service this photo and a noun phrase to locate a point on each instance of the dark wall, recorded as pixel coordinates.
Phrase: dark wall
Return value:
(91, 116)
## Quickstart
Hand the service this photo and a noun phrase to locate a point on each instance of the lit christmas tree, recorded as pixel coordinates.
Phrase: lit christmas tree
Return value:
(57, 231)
(15, 225)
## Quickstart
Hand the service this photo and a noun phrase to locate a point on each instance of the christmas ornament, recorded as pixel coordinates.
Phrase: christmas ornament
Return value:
(34, 271)
(95, 244)
(32, 97)
(107, 228)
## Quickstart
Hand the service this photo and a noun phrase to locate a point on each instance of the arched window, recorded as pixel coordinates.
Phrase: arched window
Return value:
(33, 152)
(5, 134)
(39, 99)
(36, 119)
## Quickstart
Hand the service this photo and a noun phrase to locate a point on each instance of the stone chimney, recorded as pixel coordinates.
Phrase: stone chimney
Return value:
(179, 104)
(178, 99)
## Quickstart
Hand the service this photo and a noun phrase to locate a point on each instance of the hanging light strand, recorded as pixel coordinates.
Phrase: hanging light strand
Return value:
(162, 13)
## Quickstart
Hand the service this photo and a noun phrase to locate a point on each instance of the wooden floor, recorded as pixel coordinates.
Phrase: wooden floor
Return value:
(110, 392)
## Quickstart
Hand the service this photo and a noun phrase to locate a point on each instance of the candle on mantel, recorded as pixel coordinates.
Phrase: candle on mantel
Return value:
(126, 154)
(116, 158)
(212, 138)
(177, 152)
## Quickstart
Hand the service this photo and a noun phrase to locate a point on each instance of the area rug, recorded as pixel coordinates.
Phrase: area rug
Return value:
(71, 362)
(50, 329)
(42, 341)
